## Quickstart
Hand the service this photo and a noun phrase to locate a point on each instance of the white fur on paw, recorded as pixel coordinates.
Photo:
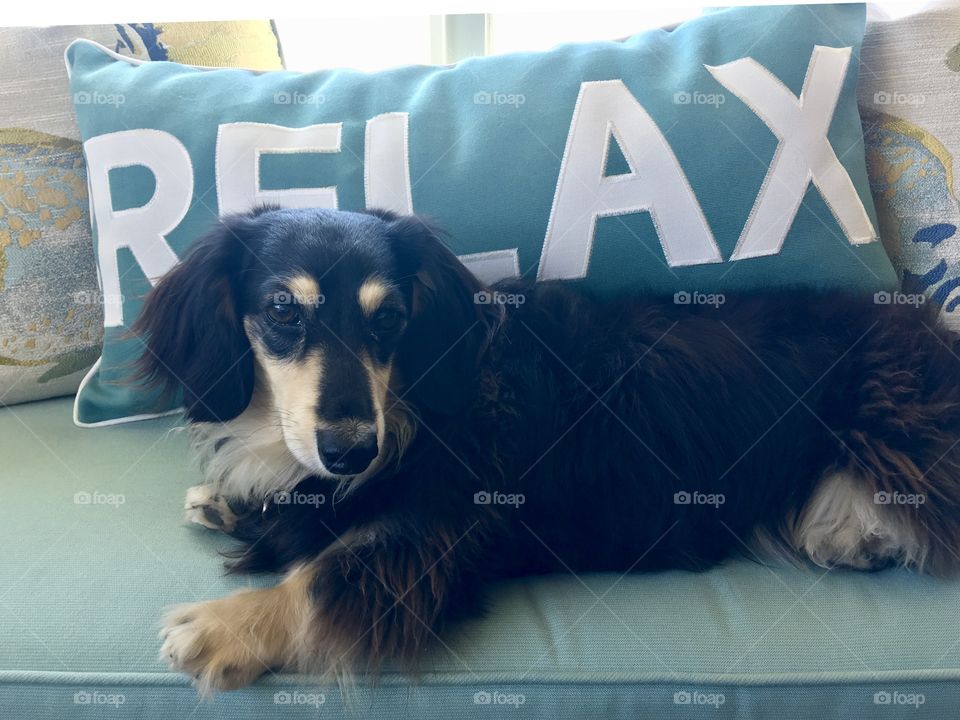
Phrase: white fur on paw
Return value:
(206, 641)
(843, 525)
(206, 506)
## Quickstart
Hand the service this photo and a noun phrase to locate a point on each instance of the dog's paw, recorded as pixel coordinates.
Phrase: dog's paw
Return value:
(205, 506)
(210, 641)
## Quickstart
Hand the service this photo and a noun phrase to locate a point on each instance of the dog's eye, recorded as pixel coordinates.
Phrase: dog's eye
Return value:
(284, 314)
(387, 321)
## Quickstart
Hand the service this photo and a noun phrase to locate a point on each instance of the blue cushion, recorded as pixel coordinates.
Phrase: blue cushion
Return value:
(678, 162)
(95, 548)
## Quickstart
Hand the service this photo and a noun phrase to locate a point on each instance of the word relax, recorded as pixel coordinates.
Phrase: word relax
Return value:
(605, 112)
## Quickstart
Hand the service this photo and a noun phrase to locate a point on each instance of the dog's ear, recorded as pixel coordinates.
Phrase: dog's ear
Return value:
(192, 327)
(450, 325)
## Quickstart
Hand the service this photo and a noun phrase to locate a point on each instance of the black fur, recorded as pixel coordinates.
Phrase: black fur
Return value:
(192, 329)
(597, 413)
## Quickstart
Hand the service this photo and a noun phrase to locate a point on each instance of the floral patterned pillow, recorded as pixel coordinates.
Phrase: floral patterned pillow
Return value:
(51, 316)
(909, 96)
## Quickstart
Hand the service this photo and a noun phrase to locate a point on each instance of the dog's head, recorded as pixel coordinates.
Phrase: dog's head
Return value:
(329, 318)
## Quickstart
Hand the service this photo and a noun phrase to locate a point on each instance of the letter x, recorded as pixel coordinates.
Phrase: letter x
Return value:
(803, 154)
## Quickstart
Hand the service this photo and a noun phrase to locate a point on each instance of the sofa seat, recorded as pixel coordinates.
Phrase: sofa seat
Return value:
(94, 548)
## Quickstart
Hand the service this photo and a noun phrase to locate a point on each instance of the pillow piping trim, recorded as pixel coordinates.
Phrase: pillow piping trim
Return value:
(113, 421)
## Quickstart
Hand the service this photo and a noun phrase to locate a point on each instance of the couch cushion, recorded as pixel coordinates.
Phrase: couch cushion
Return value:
(94, 548)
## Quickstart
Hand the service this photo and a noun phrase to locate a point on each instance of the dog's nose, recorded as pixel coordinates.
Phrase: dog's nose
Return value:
(346, 456)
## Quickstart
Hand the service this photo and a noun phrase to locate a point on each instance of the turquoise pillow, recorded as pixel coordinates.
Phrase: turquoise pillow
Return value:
(725, 154)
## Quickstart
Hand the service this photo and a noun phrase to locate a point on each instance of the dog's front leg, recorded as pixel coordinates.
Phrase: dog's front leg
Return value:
(386, 591)
(229, 642)
(380, 593)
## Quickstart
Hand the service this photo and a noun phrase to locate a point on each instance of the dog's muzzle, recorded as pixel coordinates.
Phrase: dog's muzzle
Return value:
(347, 455)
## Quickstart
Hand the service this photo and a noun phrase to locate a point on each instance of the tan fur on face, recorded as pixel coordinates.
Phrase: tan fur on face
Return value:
(288, 394)
(294, 389)
(305, 290)
(379, 387)
(228, 643)
(371, 294)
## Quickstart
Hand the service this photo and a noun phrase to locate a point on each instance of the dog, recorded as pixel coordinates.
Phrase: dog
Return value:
(392, 435)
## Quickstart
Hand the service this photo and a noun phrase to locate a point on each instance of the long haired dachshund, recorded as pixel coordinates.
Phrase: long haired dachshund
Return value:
(393, 435)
